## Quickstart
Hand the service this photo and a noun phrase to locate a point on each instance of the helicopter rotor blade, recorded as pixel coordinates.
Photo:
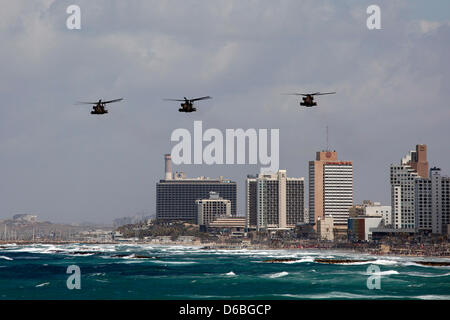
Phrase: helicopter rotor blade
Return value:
(202, 98)
(83, 102)
(294, 94)
(322, 94)
(182, 100)
(112, 101)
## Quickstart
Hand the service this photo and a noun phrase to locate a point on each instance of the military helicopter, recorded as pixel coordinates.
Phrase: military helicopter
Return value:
(308, 98)
(188, 104)
(99, 107)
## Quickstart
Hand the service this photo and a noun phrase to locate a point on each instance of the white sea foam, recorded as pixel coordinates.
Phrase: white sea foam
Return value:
(411, 263)
(385, 262)
(427, 275)
(299, 261)
(337, 295)
(384, 273)
(278, 275)
(132, 261)
(131, 256)
(433, 297)
(34, 249)
(377, 262)
(6, 258)
(230, 274)
(81, 254)
(98, 274)
(174, 262)
(42, 284)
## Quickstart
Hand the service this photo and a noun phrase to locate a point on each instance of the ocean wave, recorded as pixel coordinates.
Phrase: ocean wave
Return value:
(131, 256)
(299, 261)
(34, 249)
(277, 275)
(42, 284)
(383, 273)
(230, 274)
(174, 262)
(427, 275)
(433, 297)
(98, 274)
(377, 262)
(385, 262)
(6, 258)
(414, 264)
(338, 295)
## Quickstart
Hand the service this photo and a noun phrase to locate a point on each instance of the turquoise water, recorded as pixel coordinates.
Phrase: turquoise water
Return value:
(179, 272)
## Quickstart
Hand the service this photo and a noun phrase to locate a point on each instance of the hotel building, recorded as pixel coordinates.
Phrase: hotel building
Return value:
(176, 195)
(330, 189)
(274, 201)
(414, 165)
(210, 209)
(432, 203)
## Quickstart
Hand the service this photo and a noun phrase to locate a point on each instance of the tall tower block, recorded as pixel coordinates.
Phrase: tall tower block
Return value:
(168, 167)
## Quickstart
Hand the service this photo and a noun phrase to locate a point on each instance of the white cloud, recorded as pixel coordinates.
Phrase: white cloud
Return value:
(391, 84)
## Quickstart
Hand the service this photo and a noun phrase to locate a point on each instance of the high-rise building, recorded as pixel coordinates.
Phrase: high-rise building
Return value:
(212, 208)
(330, 189)
(413, 165)
(274, 201)
(432, 203)
(419, 160)
(175, 197)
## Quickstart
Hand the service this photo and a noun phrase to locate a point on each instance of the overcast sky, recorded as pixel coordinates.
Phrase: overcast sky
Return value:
(65, 165)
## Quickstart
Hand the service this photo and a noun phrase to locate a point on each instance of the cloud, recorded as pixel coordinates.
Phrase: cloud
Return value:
(66, 165)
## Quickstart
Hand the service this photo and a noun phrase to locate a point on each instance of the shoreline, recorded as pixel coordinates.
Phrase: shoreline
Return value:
(358, 250)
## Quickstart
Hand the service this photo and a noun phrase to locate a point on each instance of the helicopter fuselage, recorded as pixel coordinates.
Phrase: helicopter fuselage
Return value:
(99, 109)
(308, 101)
(187, 107)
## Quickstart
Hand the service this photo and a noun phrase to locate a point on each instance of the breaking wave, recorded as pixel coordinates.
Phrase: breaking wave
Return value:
(278, 275)
(42, 284)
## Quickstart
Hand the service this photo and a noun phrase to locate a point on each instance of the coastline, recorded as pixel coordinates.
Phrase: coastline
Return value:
(412, 252)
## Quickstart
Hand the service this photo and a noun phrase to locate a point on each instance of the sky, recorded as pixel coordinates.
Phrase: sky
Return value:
(65, 165)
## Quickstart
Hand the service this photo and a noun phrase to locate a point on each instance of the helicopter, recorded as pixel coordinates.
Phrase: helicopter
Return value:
(188, 104)
(99, 107)
(308, 98)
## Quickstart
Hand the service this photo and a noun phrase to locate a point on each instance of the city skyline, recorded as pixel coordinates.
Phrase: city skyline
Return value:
(64, 165)
(241, 212)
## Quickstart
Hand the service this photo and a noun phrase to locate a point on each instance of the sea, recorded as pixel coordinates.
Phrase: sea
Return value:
(144, 271)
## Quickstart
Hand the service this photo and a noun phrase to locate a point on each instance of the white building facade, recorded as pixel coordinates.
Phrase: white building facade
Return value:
(376, 209)
(210, 209)
(432, 203)
(403, 176)
(338, 191)
(402, 196)
(274, 201)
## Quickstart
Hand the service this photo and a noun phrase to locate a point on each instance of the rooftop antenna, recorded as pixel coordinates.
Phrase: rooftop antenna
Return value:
(328, 149)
